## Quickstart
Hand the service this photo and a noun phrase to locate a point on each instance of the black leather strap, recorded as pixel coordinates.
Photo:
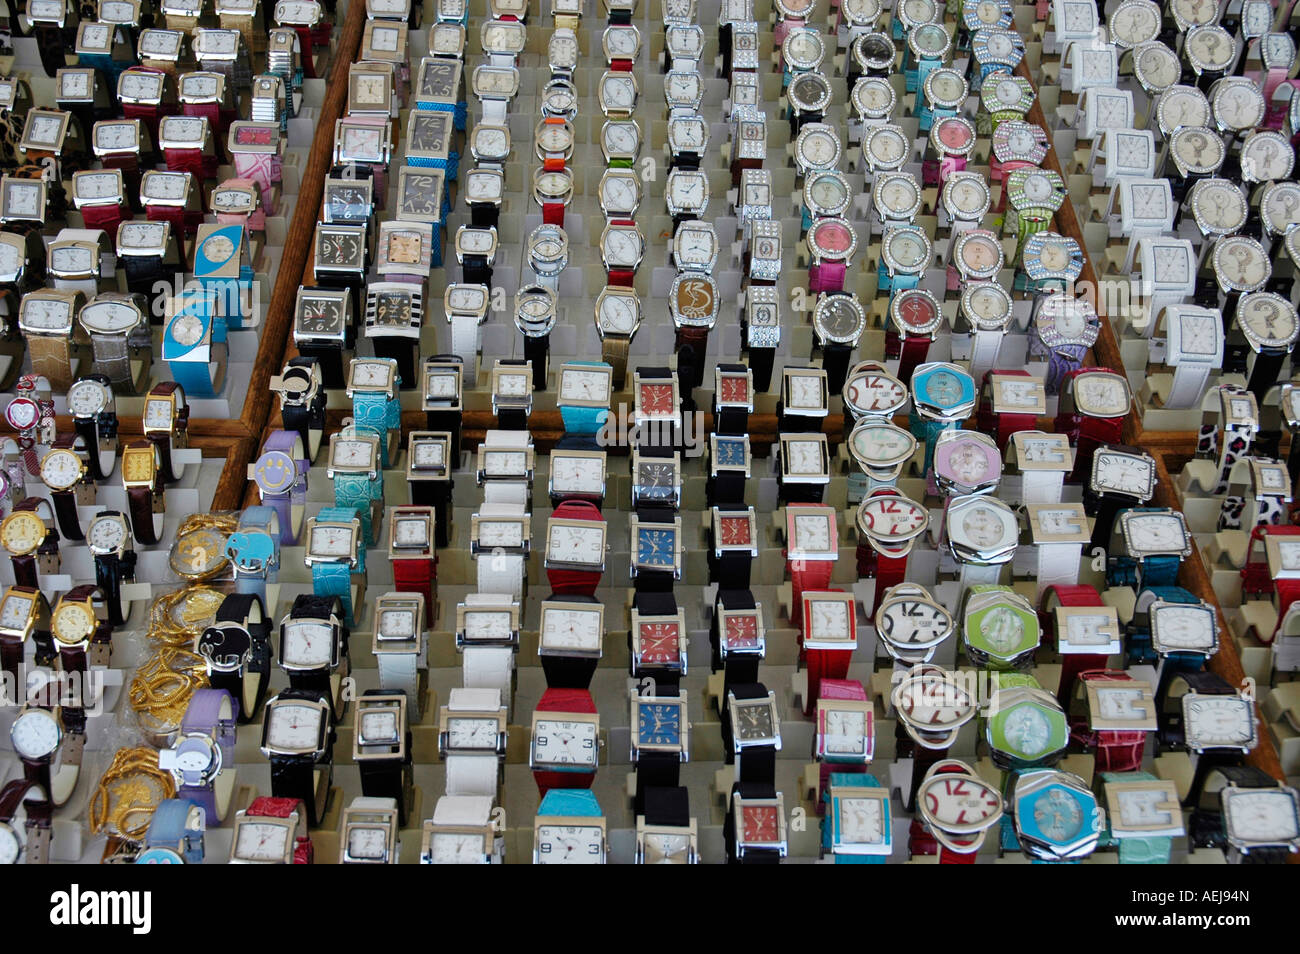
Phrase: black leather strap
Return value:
(537, 349)
(330, 357)
(294, 776)
(51, 45)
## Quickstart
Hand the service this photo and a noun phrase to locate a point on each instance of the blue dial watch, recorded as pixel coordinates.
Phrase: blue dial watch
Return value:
(194, 344)
(221, 266)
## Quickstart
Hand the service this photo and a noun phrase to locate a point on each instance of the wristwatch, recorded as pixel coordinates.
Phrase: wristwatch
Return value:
(272, 831)
(472, 741)
(237, 651)
(565, 740)
(1064, 328)
(298, 738)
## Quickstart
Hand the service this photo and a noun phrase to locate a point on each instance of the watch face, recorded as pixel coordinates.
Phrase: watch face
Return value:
(1262, 816)
(1241, 262)
(466, 733)
(331, 541)
(813, 532)
(913, 622)
(35, 734)
(565, 628)
(983, 526)
(908, 249)
(320, 316)
(258, 841)
(570, 845)
(659, 644)
(618, 91)
(294, 727)
(564, 742)
(1270, 318)
(656, 548)
(573, 474)
(1187, 628)
(817, 147)
(580, 385)
(1157, 66)
(1156, 533)
(576, 544)
(1226, 721)
(874, 393)
(892, 519)
(61, 469)
(1101, 395)
(411, 533)
(306, 645)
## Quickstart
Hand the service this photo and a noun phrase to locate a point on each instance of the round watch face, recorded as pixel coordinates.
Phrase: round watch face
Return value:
(1220, 205)
(874, 97)
(955, 135)
(1241, 263)
(72, 623)
(22, 533)
(1266, 155)
(907, 249)
(916, 312)
(959, 803)
(979, 254)
(61, 469)
(832, 238)
(884, 147)
(817, 148)
(35, 734)
(1156, 66)
(987, 304)
(1210, 47)
(1280, 207)
(839, 318)
(827, 193)
(86, 398)
(105, 534)
(1268, 317)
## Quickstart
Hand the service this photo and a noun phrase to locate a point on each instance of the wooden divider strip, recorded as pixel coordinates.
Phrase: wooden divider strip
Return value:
(278, 324)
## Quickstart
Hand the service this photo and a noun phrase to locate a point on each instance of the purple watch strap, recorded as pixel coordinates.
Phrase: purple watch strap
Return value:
(1065, 358)
(291, 503)
(216, 712)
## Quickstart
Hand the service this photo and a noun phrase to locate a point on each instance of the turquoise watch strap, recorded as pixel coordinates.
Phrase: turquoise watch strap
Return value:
(928, 431)
(335, 579)
(570, 802)
(860, 780)
(376, 412)
(584, 420)
(895, 283)
(1152, 850)
(1160, 570)
(358, 492)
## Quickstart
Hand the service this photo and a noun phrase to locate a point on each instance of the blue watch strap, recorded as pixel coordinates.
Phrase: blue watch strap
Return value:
(168, 829)
(377, 413)
(194, 376)
(1152, 850)
(357, 492)
(261, 517)
(571, 802)
(829, 820)
(1160, 570)
(584, 420)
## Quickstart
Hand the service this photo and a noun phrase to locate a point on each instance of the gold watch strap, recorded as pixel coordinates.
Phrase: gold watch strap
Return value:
(568, 21)
(613, 351)
(52, 357)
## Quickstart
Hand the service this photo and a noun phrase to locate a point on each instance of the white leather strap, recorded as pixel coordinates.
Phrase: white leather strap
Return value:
(401, 671)
(499, 439)
(506, 492)
(494, 111)
(472, 775)
(1041, 486)
(984, 348)
(972, 574)
(462, 810)
(374, 804)
(488, 667)
(467, 699)
(501, 573)
(1058, 563)
(467, 341)
(1190, 382)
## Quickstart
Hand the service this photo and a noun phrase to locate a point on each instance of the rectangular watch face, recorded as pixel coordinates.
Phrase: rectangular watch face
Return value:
(420, 195)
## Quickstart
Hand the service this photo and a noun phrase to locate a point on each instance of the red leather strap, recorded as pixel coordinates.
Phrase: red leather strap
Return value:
(1117, 751)
(150, 115)
(1072, 664)
(209, 111)
(416, 576)
(191, 160)
(105, 217)
(1256, 580)
(806, 575)
(621, 65)
(1001, 426)
(582, 582)
(267, 806)
(623, 277)
(1288, 591)
(553, 213)
(307, 40)
(949, 857)
(128, 162)
(553, 165)
(824, 665)
(915, 349)
(564, 700)
(173, 214)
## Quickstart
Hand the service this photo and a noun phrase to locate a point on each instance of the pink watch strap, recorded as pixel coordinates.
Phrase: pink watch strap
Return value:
(827, 277)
